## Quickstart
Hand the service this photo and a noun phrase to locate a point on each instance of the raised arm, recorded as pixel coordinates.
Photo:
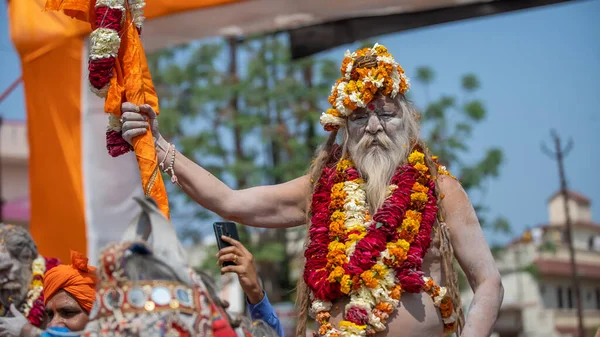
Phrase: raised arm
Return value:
(273, 206)
(475, 258)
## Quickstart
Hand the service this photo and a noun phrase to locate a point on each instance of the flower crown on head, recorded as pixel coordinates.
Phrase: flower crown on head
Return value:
(364, 72)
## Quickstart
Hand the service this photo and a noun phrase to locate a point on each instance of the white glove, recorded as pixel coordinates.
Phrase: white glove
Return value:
(12, 326)
(135, 121)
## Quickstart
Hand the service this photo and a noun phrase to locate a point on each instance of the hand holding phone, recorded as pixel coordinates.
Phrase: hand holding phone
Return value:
(227, 229)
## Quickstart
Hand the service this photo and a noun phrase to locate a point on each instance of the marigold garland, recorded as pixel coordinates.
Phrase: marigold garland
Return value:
(358, 85)
(370, 259)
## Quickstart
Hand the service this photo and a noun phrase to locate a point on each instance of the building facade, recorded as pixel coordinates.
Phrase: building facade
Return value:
(14, 173)
(539, 298)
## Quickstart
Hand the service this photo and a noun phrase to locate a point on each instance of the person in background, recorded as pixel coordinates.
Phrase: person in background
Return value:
(258, 304)
(21, 281)
(70, 293)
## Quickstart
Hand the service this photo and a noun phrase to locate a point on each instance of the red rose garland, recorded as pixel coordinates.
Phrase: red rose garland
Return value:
(382, 255)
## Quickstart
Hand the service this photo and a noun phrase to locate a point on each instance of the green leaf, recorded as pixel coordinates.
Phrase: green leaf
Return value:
(425, 75)
(470, 83)
(475, 110)
(501, 225)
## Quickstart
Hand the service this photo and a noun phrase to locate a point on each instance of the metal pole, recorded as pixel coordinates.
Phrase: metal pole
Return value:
(559, 153)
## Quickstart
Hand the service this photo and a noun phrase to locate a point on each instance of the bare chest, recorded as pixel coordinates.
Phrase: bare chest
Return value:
(417, 316)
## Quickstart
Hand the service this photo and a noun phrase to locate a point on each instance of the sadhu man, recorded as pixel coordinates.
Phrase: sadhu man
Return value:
(384, 218)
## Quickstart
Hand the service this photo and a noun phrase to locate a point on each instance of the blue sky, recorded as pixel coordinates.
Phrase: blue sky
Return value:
(539, 70)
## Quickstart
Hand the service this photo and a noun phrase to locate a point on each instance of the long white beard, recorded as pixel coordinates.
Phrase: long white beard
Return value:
(377, 164)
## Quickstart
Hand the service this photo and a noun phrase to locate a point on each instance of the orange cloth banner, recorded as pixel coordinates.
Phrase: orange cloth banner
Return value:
(51, 65)
(131, 82)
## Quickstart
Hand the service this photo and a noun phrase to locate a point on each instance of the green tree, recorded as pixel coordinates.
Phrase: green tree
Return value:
(448, 124)
(248, 115)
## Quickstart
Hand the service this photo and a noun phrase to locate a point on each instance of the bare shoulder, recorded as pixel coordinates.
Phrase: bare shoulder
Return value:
(453, 194)
(457, 208)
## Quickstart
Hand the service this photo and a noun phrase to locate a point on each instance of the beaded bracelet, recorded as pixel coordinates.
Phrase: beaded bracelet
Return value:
(162, 163)
(171, 169)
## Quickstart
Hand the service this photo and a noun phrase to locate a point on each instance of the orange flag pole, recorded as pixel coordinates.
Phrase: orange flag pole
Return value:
(119, 71)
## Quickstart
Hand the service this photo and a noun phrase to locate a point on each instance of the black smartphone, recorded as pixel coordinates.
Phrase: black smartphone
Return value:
(228, 229)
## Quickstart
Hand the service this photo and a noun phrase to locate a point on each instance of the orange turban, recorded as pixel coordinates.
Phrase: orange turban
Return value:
(78, 279)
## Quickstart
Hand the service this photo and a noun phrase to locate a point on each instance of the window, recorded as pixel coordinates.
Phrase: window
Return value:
(569, 298)
(591, 243)
(542, 289)
(559, 297)
(598, 298)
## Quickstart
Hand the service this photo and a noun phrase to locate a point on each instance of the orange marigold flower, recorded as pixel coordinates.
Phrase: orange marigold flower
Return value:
(355, 282)
(323, 317)
(336, 258)
(418, 187)
(324, 328)
(421, 167)
(396, 292)
(345, 63)
(385, 307)
(368, 279)
(428, 285)
(335, 334)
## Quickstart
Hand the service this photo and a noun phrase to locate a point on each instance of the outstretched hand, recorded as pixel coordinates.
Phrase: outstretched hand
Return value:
(243, 266)
(13, 326)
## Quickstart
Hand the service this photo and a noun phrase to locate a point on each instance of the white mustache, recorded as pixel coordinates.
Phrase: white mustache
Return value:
(381, 139)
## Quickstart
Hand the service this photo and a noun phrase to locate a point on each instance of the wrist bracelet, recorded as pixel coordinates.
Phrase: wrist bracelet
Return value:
(171, 169)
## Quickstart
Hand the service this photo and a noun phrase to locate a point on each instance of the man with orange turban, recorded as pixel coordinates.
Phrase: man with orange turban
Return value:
(70, 292)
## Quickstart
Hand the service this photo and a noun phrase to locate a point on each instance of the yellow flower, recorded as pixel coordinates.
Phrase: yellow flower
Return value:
(381, 49)
(336, 245)
(416, 157)
(379, 270)
(348, 324)
(338, 216)
(421, 167)
(418, 196)
(336, 274)
(344, 164)
(346, 284)
(333, 112)
(411, 225)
